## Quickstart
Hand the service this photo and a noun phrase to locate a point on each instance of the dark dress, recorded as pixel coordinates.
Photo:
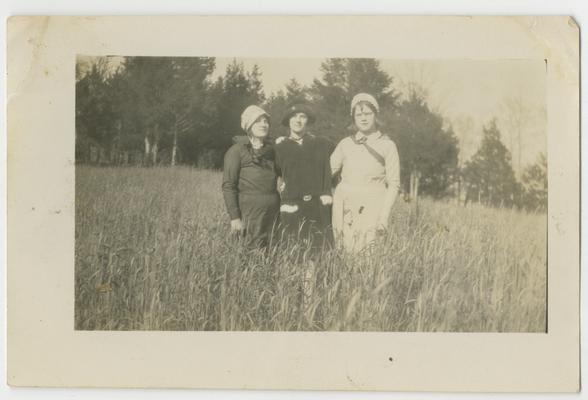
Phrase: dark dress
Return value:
(306, 172)
(249, 190)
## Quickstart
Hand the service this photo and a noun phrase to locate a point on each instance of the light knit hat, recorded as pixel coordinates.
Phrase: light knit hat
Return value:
(368, 98)
(250, 115)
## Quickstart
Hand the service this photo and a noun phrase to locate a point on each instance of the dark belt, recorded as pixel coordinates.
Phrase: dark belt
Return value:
(258, 194)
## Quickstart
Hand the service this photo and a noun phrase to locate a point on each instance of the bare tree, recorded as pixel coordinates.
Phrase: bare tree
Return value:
(516, 118)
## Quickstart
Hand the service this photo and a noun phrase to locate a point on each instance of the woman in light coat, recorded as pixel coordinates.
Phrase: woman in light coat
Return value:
(370, 178)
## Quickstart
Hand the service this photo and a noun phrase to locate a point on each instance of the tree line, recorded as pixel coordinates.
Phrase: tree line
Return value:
(168, 110)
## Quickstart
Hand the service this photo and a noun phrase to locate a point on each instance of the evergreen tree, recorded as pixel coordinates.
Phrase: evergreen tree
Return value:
(190, 97)
(232, 93)
(255, 86)
(343, 78)
(294, 90)
(148, 101)
(278, 102)
(94, 111)
(489, 176)
(162, 100)
(426, 148)
(534, 182)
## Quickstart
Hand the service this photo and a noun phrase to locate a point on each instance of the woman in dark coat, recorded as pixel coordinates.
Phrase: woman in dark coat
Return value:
(249, 180)
(302, 161)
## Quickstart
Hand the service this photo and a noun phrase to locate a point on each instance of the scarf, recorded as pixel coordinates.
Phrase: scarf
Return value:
(362, 141)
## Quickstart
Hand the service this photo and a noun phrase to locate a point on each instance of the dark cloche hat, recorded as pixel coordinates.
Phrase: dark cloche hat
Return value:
(298, 107)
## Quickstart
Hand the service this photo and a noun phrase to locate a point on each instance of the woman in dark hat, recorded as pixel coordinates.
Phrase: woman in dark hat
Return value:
(249, 180)
(302, 161)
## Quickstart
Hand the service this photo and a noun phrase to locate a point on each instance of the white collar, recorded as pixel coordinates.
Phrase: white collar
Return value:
(298, 139)
(256, 144)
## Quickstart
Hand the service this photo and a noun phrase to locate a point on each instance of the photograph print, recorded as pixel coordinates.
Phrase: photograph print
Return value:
(306, 194)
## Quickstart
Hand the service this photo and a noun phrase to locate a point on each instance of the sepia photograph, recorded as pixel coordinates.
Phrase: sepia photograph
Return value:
(374, 203)
(335, 194)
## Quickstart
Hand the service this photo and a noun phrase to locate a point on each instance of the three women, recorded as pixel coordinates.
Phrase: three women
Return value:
(367, 161)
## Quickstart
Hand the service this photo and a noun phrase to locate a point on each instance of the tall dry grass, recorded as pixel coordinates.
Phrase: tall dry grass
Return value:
(153, 252)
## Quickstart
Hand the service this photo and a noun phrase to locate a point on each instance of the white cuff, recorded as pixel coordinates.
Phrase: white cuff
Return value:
(289, 208)
(326, 199)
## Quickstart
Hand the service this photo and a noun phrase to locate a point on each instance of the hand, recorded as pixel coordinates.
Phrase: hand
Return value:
(326, 200)
(280, 139)
(281, 185)
(236, 225)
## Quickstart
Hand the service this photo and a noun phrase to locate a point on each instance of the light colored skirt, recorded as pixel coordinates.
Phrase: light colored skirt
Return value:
(356, 210)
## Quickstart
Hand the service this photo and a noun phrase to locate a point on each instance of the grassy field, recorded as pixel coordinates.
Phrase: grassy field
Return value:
(153, 252)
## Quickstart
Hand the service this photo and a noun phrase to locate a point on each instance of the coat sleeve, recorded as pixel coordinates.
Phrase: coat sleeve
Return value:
(327, 180)
(393, 182)
(337, 159)
(230, 186)
(277, 160)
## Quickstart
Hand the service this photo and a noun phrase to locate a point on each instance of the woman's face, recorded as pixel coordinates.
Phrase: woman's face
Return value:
(364, 118)
(298, 123)
(260, 127)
